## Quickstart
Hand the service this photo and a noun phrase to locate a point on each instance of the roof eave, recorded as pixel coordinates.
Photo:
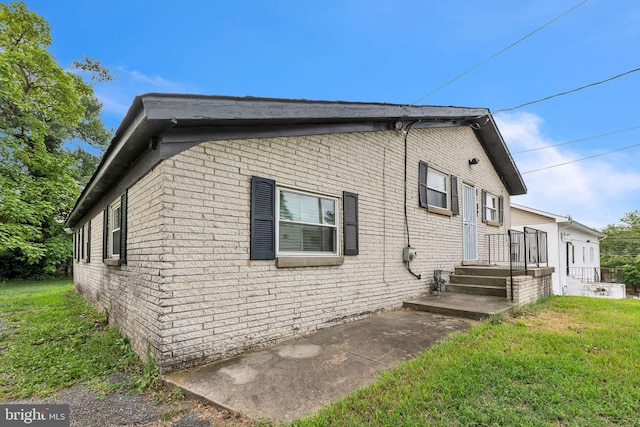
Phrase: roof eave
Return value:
(151, 115)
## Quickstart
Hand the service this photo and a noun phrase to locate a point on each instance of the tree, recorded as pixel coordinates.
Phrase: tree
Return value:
(44, 111)
(621, 248)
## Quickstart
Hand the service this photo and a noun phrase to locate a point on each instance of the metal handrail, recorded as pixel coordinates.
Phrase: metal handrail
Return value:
(525, 248)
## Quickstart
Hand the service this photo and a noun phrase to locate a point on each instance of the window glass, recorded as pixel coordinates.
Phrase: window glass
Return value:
(307, 223)
(116, 219)
(437, 189)
(491, 207)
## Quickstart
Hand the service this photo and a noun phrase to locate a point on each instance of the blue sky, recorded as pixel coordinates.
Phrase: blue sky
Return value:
(396, 51)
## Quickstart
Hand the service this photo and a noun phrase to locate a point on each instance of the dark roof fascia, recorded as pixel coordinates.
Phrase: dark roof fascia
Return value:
(187, 120)
(495, 147)
(217, 109)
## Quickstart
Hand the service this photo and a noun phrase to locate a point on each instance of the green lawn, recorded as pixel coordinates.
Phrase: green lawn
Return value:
(566, 362)
(51, 338)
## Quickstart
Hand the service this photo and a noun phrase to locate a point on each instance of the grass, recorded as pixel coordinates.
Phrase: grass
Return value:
(569, 361)
(50, 338)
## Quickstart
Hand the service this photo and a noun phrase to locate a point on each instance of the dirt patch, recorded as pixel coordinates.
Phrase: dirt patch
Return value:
(553, 322)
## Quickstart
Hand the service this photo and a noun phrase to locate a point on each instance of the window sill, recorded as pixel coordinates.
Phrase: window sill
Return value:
(308, 261)
(493, 223)
(439, 211)
(112, 261)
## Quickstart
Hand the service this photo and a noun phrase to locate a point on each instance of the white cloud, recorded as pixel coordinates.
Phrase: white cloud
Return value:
(595, 192)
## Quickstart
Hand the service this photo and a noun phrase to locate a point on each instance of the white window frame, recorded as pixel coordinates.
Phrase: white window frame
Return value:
(112, 219)
(336, 226)
(490, 210)
(84, 242)
(447, 188)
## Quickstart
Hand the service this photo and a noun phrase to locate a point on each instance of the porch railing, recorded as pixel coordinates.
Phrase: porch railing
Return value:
(520, 249)
(595, 274)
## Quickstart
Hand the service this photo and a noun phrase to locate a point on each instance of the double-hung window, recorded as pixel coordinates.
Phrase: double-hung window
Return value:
(114, 233)
(490, 207)
(437, 189)
(306, 223)
(115, 230)
(299, 228)
(438, 192)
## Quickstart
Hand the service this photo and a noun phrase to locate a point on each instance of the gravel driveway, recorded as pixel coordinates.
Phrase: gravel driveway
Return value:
(120, 408)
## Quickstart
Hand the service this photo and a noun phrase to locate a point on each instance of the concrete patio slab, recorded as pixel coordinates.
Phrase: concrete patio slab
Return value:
(299, 377)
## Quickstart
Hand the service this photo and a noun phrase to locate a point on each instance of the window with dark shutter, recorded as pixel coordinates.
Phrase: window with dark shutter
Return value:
(422, 176)
(455, 204)
(501, 210)
(89, 242)
(122, 259)
(82, 244)
(484, 206)
(350, 202)
(105, 233)
(262, 244)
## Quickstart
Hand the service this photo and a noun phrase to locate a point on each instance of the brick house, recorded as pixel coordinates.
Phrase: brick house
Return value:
(215, 225)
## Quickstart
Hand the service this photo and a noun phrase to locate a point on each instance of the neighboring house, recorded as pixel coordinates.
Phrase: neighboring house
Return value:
(574, 251)
(215, 225)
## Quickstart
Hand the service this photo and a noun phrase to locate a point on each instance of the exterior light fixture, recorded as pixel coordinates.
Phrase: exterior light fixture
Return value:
(474, 161)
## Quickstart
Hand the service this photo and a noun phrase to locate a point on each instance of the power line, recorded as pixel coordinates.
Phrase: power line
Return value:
(498, 53)
(568, 92)
(577, 140)
(579, 160)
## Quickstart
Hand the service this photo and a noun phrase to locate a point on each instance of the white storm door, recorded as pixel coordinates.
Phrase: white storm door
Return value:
(469, 224)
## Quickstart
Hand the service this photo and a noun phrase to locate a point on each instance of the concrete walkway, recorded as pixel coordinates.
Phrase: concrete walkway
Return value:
(299, 377)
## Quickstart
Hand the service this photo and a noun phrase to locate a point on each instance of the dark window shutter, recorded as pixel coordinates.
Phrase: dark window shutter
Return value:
(422, 177)
(263, 217)
(89, 242)
(484, 206)
(75, 246)
(123, 227)
(350, 201)
(105, 233)
(455, 204)
(501, 209)
(79, 239)
(82, 243)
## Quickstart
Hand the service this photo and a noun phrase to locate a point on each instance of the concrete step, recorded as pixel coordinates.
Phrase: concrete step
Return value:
(498, 271)
(475, 307)
(478, 280)
(473, 289)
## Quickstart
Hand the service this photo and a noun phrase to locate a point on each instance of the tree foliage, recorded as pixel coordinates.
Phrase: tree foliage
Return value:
(621, 248)
(49, 124)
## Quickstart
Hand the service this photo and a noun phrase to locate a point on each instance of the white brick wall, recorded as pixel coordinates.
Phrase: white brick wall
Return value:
(131, 294)
(189, 285)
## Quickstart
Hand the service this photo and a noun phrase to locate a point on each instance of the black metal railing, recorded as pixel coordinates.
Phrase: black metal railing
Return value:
(520, 249)
(536, 247)
(595, 274)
